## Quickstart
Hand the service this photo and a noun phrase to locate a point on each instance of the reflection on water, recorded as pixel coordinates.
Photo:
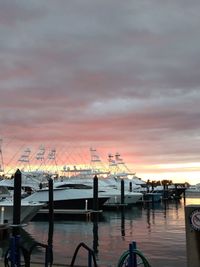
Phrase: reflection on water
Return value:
(158, 229)
(27, 241)
(95, 237)
(123, 230)
(192, 200)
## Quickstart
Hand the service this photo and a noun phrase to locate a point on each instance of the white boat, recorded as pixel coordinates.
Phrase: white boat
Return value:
(28, 208)
(108, 183)
(193, 191)
(172, 191)
(35, 188)
(28, 183)
(69, 197)
(105, 189)
(119, 169)
(28, 211)
(130, 197)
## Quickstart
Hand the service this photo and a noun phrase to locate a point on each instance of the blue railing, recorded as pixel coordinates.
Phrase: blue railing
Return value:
(13, 256)
(133, 258)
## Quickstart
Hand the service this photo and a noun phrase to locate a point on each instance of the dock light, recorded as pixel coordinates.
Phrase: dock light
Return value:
(86, 204)
(2, 215)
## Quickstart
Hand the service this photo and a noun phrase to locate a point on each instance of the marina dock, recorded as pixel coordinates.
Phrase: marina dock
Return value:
(70, 211)
(64, 213)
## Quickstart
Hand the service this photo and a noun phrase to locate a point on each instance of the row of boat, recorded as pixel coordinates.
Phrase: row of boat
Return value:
(76, 193)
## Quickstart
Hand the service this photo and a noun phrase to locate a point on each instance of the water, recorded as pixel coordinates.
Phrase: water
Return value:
(158, 230)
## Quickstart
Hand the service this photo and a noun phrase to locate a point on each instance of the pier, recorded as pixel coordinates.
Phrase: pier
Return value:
(64, 213)
(116, 206)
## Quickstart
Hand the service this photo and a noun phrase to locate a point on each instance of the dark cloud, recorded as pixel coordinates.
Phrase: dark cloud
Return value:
(116, 74)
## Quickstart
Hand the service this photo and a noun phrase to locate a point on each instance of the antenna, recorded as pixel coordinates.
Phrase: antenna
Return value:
(52, 157)
(1, 157)
(40, 156)
(25, 157)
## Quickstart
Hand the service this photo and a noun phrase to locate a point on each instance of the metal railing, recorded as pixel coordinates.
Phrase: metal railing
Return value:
(91, 255)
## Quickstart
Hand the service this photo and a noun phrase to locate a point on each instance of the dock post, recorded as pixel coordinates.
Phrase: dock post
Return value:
(122, 222)
(2, 215)
(152, 186)
(15, 239)
(184, 195)
(132, 259)
(165, 192)
(192, 222)
(95, 235)
(17, 198)
(176, 191)
(49, 253)
(122, 191)
(130, 187)
(86, 204)
(95, 193)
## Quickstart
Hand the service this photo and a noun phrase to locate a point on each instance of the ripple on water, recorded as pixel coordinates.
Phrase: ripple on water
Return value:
(159, 233)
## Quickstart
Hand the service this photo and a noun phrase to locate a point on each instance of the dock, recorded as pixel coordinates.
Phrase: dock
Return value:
(66, 213)
(115, 206)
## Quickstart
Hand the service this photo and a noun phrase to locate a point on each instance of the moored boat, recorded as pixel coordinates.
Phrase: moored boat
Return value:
(27, 212)
(193, 191)
(106, 189)
(68, 197)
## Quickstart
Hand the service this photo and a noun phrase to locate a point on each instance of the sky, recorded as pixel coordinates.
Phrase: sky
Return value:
(120, 76)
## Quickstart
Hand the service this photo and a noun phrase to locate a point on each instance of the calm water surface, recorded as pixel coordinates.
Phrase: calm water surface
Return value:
(158, 230)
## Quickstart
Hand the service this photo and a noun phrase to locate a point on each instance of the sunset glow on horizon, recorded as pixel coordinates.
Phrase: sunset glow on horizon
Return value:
(120, 77)
(80, 158)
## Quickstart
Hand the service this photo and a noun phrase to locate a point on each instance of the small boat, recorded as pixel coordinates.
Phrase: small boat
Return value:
(28, 208)
(172, 191)
(193, 191)
(28, 211)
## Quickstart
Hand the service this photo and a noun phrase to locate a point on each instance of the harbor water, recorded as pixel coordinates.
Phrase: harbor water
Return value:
(158, 230)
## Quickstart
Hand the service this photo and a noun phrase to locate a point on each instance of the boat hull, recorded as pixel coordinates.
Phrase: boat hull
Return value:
(83, 203)
(28, 211)
(69, 198)
(129, 199)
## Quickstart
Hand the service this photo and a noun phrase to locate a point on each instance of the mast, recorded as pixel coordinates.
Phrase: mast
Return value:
(52, 158)
(1, 157)
(25, 157)
(122, 167)
(40, 156)
(96, 163)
